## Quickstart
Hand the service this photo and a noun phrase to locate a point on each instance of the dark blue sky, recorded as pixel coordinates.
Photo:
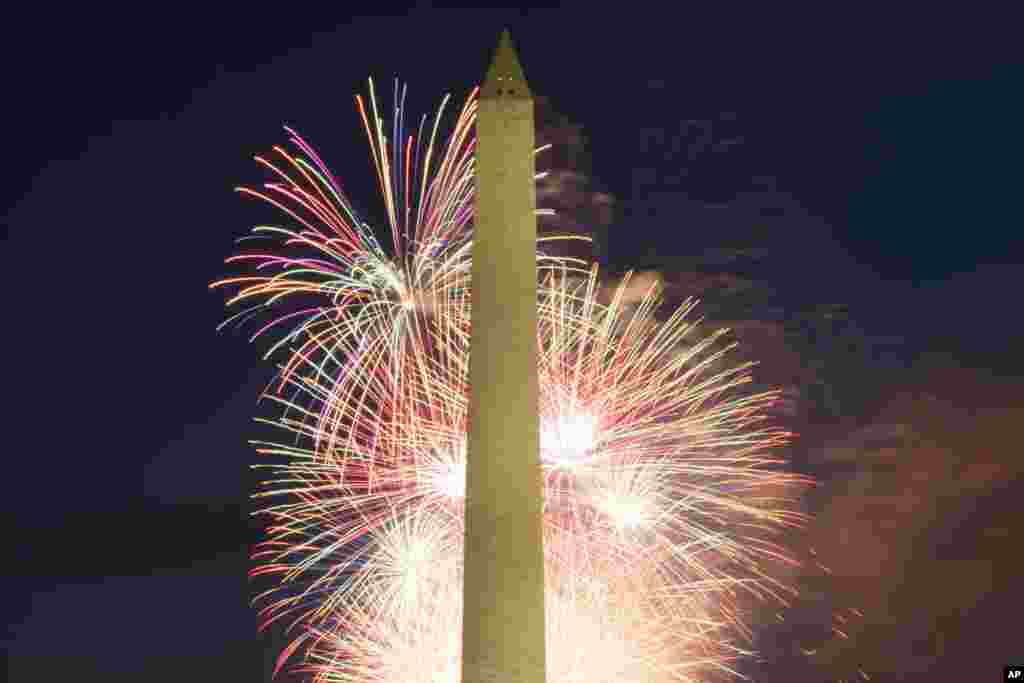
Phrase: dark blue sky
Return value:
(897, 132)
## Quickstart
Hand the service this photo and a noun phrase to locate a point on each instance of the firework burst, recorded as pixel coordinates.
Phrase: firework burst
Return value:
(662, 497)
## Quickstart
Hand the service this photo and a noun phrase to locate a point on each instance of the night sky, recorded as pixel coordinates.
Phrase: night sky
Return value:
(897, 135)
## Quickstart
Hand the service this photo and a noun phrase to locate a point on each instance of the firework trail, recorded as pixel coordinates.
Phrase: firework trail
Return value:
(663, 501)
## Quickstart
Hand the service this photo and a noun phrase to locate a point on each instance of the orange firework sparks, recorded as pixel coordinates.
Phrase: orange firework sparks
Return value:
(663, 494)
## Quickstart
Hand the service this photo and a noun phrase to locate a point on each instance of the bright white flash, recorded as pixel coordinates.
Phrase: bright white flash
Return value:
(626, 512)
(568, 440)
(444, 473)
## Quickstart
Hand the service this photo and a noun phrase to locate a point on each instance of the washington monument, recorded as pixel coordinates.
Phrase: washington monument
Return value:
(503, 621)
